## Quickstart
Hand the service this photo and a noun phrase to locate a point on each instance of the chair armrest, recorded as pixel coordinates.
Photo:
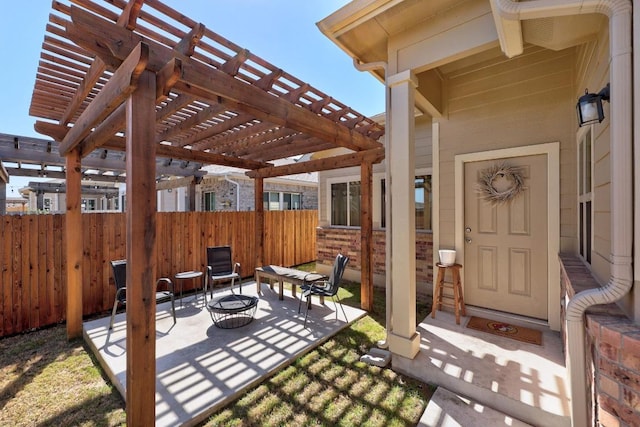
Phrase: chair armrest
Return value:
(237, 267)
(119, 291)
(167, 282)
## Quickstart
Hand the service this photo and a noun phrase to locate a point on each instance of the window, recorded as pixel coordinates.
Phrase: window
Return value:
(46, 204)
(89, 204)
(585, 194)
(281, 201)
(209, 204)
(345, 203)
(423, 200)
(291, 201)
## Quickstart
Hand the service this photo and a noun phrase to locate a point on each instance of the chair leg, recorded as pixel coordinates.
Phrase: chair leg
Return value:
(341, 306)
(306, 313)
(173, 308)
(113, 313)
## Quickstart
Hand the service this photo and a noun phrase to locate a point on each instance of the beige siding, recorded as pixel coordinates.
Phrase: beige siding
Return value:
(593, 62)
(510, 103)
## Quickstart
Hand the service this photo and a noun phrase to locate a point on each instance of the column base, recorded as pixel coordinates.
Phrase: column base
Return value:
(402, 346)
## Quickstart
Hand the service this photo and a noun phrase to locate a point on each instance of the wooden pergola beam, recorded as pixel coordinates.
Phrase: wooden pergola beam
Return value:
(128, 20)
(113, 94)
(4, 174)
(113, 45)
(330, 163)
(220, 143)
(118, 143)
(115, 122)
(163, 150)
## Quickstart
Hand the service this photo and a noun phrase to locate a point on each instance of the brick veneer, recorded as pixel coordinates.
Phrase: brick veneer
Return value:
(331, 240)
(613, 353)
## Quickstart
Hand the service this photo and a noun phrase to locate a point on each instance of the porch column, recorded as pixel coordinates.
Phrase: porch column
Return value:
(141, 252)
(403, 338)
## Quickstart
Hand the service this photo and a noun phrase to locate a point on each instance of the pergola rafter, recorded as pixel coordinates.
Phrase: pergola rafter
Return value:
(140, 77)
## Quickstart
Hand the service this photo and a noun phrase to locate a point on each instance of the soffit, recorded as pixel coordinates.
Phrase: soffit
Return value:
(365, 35)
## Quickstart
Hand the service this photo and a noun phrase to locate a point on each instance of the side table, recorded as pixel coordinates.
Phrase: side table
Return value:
(185, 275)
(232, 311)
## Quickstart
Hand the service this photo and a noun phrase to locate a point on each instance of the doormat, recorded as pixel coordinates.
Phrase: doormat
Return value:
(507, 330)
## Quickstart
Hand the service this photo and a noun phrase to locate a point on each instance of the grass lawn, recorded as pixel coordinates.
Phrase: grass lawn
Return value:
(46, 380)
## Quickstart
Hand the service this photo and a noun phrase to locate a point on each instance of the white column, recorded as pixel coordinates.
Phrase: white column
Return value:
(403, 338)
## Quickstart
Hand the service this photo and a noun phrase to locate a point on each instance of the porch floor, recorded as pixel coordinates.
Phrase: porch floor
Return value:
(199, 367)
(521, 381)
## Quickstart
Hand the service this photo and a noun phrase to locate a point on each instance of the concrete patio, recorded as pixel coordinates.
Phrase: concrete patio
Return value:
(200, 367)
(494, 380)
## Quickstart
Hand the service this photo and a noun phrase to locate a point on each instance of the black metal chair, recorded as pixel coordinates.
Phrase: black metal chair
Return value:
(325, 287)
(220, 268)
(120, 279)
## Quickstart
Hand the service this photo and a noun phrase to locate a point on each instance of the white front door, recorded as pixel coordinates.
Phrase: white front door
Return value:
(506, 244)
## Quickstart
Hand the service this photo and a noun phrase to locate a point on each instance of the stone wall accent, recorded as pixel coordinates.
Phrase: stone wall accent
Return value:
(331, 240)
(613, 353)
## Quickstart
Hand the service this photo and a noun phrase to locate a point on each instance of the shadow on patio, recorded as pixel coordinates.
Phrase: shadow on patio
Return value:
(200, 368)
(525, 381)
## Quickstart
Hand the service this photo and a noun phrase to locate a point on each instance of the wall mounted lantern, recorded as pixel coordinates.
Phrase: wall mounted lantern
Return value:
(589, 106)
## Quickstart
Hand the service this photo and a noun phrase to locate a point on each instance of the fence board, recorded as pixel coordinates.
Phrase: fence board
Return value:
(33, 260)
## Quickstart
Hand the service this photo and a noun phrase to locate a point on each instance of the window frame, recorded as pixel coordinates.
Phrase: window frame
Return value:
(378, 203)
(281, 196)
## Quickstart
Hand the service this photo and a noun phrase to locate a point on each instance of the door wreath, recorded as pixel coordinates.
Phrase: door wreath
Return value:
(501, 183)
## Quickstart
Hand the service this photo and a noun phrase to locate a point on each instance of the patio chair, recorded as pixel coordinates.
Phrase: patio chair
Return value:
(325, 287)
(220, 268)
(120, 279)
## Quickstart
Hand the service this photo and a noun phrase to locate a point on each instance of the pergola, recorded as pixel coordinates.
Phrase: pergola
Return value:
(142, 78)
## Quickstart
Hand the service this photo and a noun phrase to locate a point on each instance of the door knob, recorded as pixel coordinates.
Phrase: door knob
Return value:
(467, 230)
(467, 239)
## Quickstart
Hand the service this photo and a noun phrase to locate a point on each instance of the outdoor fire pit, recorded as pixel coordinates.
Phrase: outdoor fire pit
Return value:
(232, 311)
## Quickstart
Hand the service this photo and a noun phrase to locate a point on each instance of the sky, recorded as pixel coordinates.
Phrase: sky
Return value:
(282, 32)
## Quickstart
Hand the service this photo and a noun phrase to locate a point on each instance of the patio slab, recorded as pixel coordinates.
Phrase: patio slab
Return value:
(199, 367)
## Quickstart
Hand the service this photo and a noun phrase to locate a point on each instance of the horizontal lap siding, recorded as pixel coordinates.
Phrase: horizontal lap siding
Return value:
(33, 258)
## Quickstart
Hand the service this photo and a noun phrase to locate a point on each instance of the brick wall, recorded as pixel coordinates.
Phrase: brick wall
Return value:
(613, 353)
(331, 240)
(226, 199)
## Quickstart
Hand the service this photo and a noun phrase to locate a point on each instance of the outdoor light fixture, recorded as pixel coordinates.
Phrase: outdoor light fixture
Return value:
(589, 106)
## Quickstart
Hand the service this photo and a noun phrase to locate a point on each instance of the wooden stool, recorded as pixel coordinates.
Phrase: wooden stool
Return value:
(439, 298)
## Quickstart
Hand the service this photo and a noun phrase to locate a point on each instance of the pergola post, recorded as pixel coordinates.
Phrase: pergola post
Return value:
(259, 206)
(141, 247)
(74, 237)
(366, 236)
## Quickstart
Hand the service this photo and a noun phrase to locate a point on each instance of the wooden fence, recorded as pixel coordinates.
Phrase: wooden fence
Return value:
(33, 261)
